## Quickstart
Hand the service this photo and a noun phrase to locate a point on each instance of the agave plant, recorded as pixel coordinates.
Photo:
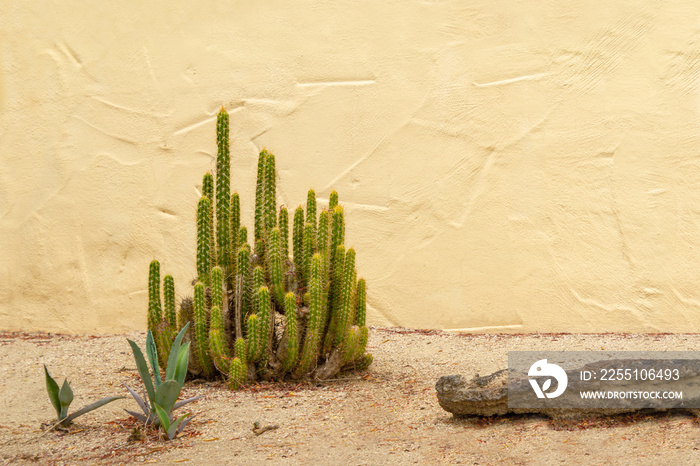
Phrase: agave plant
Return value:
(61, 398)
(162, 394)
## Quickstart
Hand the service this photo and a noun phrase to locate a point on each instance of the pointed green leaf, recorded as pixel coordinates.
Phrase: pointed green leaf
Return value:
(167, 394)
(174, 353)
(90, 407)
(183, 359)
(173, 429)
(152, 352)
(52, 389)
(143, 371)
(65, 397)
(162, 416)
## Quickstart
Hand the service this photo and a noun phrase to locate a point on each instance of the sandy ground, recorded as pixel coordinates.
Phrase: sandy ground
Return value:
(386, 415)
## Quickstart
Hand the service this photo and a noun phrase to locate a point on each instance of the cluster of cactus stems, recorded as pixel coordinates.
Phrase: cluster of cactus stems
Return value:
(257, 313)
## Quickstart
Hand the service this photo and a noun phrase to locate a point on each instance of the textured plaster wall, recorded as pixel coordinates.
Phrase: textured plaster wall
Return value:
(505, 166)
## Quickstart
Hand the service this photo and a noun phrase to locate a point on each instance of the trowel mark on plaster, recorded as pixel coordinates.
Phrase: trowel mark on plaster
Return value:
(479, 188)
(339, 82)
(688, 301)
(130, 110)
(683, 69)
(609, 308)
(502, 82)
(194, 125)
(603, 53)
(105, 132)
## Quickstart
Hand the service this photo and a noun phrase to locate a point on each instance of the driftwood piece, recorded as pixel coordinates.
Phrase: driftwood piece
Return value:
(488, 395)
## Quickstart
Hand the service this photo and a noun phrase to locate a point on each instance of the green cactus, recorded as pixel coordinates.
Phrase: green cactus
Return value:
(236, 331)
(361, 343)
(243, 263)
(274, 264)
(283, 222)
(298, 244)
(309, 250)
(208, 192)
(345, 316)
(185, 315)
(155, 314)
(270, 192)
(333, 200)
(218, 348)
(311, 207)
(260, 203)
(310, 350)
(290, 311)
(237, 374)
(235, 220)
(201, 329)
(169, 300)
(223, 190)
(217, 287)
(204, 235)
(255, 341)
(361, 303)
(265, 315)
(324, 233)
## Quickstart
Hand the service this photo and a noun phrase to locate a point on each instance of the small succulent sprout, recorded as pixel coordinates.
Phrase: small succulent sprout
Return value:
(162, 394)
(61, 398)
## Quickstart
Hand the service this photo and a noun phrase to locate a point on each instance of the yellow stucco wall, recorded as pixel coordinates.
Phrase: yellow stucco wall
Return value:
(505, 166)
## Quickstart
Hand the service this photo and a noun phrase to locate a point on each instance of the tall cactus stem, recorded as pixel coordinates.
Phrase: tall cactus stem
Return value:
(204, 235)
(238, 374)
(243, 264)
(235, 220)
(255, 341)
(333, 200)
(310, 350)
(260, 197)
(169, 300)
(345, 316)
(274, 263)
(208, 192)
(265, 315)
(155, 313)
(270, 193)
(311, 207)
(309, 247)
(290, 311)
(201, 328)
(223, 190)
(283, 223)
(361, 303)
(218, 347)
(298, 244)
(217, 287)
(241, 349)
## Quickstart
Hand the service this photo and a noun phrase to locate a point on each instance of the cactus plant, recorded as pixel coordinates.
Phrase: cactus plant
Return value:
(258, 313)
